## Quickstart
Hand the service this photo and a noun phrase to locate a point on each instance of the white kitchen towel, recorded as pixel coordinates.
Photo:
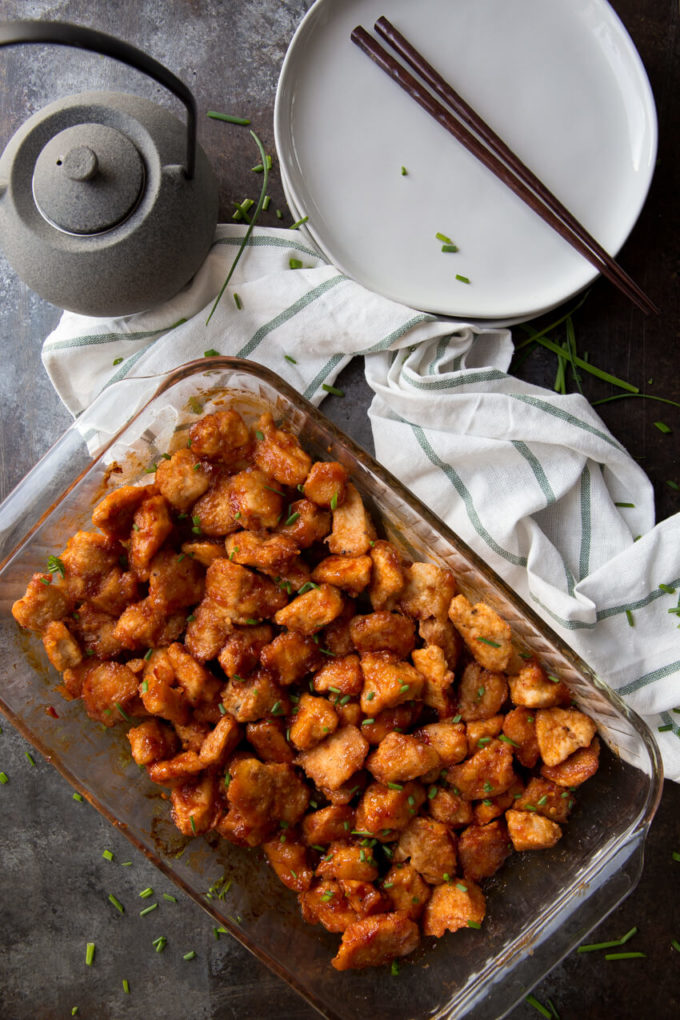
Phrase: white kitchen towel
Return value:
(532, 480)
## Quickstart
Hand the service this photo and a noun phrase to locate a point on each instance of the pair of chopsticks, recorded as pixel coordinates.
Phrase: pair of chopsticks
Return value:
(453, 113)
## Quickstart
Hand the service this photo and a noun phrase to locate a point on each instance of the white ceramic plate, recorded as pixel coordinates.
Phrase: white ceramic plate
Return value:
(559, 80)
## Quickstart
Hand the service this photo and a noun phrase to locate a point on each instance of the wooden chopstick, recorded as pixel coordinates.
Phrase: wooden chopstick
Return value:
(492, 152)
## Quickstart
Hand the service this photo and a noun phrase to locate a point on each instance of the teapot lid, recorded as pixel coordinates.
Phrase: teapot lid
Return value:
(88, 178)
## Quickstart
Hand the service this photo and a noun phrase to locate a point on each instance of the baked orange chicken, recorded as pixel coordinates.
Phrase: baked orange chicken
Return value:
(297, 685)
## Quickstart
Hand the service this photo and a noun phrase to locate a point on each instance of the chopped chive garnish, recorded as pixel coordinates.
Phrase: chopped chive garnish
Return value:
(117, 904)
(404, 172)
(237, 301)
(507, 740)
(89, 953)
(432, 792)
(333, 390)
(662, 427)
(290, 358)
(126, 986)
(292, 519)
(107, 855)
(279, 214)
(193, 824)
(676, 856)
(673, 485)
(29, 757)
(334, 501)
(118, 706)
(665, 728)
(450, 247)
(249, 229)
(191, 955)
(443, 238)
(4, 778)
(594, 946)
(395, 786)
(676, 945)
(624, 956)
(295, 263)
(667, 588)
(531, 1000)
(145, 893)
(55, 565)
(126, 864)
(298, 223)
(488, 641)
(160, 943)
(473, 924)
(147, 910)
(463, 279)
(394, 968)
(229, 118)
(630, 505)
(265, 202)
(463, 888)
(368, 722)
(76, 796)
(148, 654)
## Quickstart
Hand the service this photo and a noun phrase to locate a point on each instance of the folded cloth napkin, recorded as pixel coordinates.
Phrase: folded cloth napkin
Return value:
(532, 480)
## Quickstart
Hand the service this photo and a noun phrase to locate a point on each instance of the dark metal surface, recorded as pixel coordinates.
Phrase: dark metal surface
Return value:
(54, 882)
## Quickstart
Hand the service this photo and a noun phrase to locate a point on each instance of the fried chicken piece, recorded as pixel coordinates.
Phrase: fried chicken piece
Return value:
(452, 906)
(520, 726)
(383, 632)
(306, 524)
(195, 804)
(447, 738)
(340, 676)
(407, 891)
(345, 860)
(290, 656)
(335, 760)
(175, 580)
(326, 904)
(482, 849)
(531, 831)
(384, 811)
(401, 757)
(62, 649)
(314, 720)
(278, 453)
(575, 769)
(350, 573)
(241, 651)
(152, 741)
(328, 825)
(110, 692)
(222, 436)
(352, 531)
(487, 636)
(388, 682)
(43, 602)
(481, 692)
(244, 594)
(431, 663)
(430, 847)
(309, 612)
(486, 774)
(268, 738)
(427, 592)
(151, 526)
(533, 688)
(375, 940)
(561, 731)
(273, 554)
(182, 479)
(289, 859)
(115, 513)
(387, 576)
(325, 484)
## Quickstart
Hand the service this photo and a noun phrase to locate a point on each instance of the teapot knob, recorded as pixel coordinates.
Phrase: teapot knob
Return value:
(80, 163)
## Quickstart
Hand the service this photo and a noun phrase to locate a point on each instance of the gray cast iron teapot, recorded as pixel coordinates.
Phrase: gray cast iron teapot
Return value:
(107, 203)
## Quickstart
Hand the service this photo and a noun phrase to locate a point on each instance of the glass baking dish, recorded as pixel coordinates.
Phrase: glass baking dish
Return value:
(538, 906)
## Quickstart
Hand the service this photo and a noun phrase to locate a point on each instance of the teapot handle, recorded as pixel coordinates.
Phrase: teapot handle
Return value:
(66, 34)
